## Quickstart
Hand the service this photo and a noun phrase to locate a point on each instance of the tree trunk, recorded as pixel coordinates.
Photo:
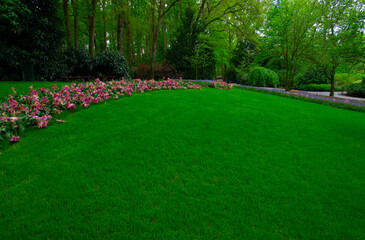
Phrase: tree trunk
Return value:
(120, 43)
(152, 41)
(139, 46)
(95, 45)
(155, 37)
(105, 44)
(92, 29)
(164, 36)
(76, 21)
(67, 22)
(286, 78)
(196, 71)
(128, 36)
(223, 72)
(332, 80)
(130, 45)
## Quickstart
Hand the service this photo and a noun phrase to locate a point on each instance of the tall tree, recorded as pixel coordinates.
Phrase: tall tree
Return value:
(291, 28)
(118, 8)
(340, 37)
(75, 9)
(92, 28)
(30, 33)
(156, 25)
(105, 40)
(67, 22)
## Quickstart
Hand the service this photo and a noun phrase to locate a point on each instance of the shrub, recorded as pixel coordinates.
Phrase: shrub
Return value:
(78, 61)
(348, 78)
(162, 70)
(356, 89)
(232, 75)
(262, 77)
(107, 63)
(312, 75)
(111, 63)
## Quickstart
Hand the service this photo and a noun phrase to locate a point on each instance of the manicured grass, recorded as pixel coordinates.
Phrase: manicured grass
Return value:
(189, 164)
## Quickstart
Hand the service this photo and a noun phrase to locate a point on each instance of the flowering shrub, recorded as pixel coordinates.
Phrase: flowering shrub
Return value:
(212, 84)
(38, 107)
(221, 85)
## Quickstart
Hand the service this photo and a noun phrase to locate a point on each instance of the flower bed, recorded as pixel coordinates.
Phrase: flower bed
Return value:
(211, 83)
(39, 107)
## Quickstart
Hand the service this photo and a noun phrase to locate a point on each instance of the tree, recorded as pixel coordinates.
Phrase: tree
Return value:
(291, 28)
(340, 39)
(75, 8)
(67, 22)
(156, 25)
(183, 47)
(30, 33)
(203, 60)
(92, 28)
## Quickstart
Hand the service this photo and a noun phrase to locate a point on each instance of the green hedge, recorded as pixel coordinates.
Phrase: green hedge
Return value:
(318, 87)
(356, 89)
(312, 75)
(262, 77)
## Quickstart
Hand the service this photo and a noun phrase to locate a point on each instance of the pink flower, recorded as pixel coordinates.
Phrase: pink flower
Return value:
(71, 106)
(42, 124)
(57, 111)
(14, 139)
(60, 121)
(54, 87)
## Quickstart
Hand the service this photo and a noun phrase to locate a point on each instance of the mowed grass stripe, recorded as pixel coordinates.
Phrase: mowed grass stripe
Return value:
(189, 165)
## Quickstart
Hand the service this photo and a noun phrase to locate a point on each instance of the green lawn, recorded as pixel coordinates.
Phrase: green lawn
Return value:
(189, 164)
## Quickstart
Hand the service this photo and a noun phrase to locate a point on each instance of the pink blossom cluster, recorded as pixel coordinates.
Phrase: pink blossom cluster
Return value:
(221, 85)
(38, 106)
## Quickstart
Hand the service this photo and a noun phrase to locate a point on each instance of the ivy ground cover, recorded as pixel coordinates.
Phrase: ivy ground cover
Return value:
(197, 164)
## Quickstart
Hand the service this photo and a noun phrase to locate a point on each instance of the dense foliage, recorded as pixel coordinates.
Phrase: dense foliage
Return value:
(262, 77)
(356, 89)
(194, 61)
(232, 75)
(312, 75)
(30, 33)
(78, 62)
(111, 63)
(304, 42)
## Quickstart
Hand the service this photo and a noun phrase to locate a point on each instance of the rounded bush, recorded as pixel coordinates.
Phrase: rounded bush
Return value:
(262, 77)
(356, 89)
(111, 63)
(312, 76)
(232, 75)
(78, 61)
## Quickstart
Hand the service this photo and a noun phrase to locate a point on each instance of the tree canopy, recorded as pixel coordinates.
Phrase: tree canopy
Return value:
(203, 39)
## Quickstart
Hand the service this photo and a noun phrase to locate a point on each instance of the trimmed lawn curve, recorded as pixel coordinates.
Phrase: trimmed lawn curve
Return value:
(189, 165)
